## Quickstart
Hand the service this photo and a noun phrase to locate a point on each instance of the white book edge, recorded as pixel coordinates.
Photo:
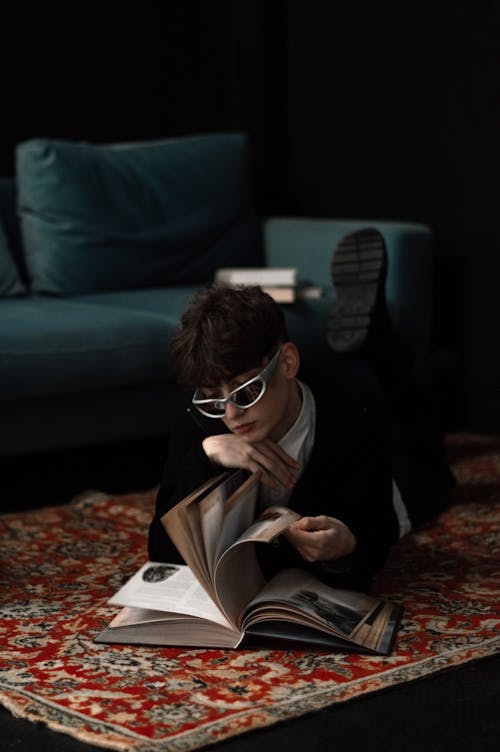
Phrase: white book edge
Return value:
(264, 276)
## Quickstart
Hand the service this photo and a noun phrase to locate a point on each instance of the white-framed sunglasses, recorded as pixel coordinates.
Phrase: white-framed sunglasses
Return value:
(243, 396)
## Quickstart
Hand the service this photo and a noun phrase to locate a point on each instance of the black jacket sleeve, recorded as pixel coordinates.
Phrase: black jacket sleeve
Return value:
(349, 476)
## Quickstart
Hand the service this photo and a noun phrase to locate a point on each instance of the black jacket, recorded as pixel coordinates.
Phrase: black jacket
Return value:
(348, 477)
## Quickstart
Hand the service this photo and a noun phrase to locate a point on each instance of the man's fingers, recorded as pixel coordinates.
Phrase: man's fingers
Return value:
(275, 450)
(232, 451)
(268, 480)
(273, 464)
(301, 540)
(321, 522)
(321, 538)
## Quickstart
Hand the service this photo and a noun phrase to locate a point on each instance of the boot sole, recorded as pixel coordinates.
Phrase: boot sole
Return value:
(358, 274)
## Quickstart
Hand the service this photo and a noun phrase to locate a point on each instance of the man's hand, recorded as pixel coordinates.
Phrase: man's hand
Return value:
(321, 538)
(230, 450)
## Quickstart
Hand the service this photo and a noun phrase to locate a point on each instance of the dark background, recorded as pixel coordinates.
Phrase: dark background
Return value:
(352, 112)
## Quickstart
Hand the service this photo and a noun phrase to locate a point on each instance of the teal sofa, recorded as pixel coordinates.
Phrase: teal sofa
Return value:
(101, 248)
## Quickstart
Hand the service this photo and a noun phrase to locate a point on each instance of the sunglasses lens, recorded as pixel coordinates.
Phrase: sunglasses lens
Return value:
(214, 409)
(249, 394)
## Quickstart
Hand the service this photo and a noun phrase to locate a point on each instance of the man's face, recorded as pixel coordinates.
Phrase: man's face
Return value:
(275, 411)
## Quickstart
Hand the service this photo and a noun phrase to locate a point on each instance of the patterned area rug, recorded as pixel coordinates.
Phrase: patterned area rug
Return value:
(60, 565)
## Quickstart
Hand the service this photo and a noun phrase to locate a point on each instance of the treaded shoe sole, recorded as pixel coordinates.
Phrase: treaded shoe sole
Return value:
(358, 274)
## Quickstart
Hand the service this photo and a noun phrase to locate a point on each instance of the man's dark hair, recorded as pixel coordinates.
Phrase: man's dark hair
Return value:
(225, 331)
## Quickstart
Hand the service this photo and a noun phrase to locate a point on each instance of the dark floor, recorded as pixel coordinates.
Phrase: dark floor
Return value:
(456, 710)
(49, 478)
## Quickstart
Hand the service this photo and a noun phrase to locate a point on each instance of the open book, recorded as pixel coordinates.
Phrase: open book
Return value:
(220, 598)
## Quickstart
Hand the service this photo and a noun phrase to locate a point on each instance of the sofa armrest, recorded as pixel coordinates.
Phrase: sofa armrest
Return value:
(308, 244)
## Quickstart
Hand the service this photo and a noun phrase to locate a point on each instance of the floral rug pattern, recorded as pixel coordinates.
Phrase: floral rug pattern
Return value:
(59, 565)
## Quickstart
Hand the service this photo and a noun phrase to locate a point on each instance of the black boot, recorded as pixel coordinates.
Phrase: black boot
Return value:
(360, 331)
(359, 267)
(359, 325)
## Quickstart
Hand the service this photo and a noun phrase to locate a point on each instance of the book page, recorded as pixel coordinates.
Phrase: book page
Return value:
(190, 517)
(239, 513)
(178, 525)
(232, 496)
(269, 525)
(296, 595)
(136, 626)
(211, 511)
(169, 588)
(238, 577)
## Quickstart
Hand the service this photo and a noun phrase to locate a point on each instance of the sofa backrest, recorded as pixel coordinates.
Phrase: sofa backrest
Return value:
(309, 244)
(127, 216)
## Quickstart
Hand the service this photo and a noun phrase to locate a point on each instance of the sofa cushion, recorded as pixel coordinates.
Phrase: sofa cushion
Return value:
(126, 216)
(306, 320)
(167, 302)
(50, 346)
(10, 282)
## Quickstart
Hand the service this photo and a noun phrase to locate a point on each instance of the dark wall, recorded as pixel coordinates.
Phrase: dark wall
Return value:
(351, 113)
(399, 117)
(126, 71)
